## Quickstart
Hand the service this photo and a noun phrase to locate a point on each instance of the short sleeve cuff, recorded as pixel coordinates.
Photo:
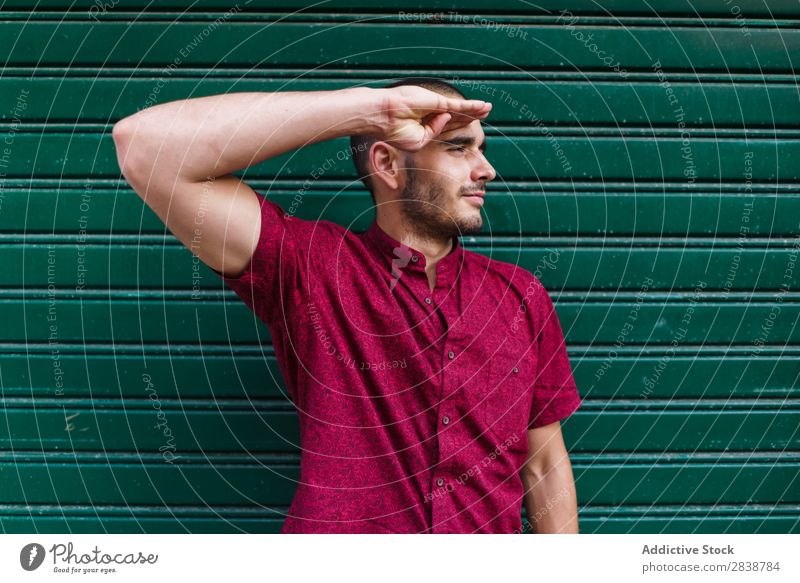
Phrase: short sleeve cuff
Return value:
(554, 404)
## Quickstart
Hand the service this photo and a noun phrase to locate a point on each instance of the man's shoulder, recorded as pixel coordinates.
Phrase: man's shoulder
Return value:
(321, 226)
(504, 273)
(298, 225)
(514, 292)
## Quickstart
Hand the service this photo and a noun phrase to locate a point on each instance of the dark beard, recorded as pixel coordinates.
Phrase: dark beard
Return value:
(424, 211)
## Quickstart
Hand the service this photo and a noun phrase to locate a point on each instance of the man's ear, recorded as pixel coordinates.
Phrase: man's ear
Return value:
(386, 163)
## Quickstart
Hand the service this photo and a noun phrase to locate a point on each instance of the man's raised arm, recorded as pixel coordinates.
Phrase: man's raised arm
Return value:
(179, 156)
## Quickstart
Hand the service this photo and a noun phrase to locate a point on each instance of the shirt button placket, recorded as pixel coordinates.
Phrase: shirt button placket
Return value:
(442, 503)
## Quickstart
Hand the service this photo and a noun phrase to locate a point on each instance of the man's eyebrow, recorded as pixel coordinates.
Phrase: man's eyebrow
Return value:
(465, 141)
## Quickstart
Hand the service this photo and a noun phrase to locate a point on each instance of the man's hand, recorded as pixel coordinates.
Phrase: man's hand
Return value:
(413, 116)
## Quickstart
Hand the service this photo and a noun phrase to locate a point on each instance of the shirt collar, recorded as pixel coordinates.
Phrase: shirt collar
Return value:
(409, 257)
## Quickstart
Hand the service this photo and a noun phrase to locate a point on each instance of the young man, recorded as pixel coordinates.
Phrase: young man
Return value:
(429, 380)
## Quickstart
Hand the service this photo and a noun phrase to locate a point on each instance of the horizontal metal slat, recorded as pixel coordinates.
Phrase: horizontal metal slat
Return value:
(313, 45)
(489, 7)
(270, 486)
(606, 372)
(70, 428)
(698, 164)
(232, 322)
(604, 267)
(620, 105)
(508, 211)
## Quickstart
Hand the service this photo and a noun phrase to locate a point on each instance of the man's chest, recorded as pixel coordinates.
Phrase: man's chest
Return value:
(449, 351)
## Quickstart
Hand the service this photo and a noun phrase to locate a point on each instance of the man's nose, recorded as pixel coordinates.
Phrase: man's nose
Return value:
(483, 171)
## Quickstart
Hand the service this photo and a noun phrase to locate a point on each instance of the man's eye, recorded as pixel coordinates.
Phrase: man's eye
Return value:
(458, 149)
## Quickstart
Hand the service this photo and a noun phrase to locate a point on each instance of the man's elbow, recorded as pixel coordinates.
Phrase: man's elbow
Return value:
(122, 133)
(552, 464)
(135, 163)
(547, 453)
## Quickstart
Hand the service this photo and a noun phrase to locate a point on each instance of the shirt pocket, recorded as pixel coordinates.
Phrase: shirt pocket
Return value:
(507, 403)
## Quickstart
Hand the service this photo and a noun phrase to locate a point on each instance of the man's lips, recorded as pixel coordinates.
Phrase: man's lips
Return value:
(476, 197)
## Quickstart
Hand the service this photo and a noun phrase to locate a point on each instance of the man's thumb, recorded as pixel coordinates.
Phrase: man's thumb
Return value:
(436, 125)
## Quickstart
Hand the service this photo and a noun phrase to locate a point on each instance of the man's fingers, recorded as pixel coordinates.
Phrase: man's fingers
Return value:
(435, 126)
(467, 117)
(459, 120)
(474, 106)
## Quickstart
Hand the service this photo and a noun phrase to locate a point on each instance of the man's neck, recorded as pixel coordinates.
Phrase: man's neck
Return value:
(434, 248)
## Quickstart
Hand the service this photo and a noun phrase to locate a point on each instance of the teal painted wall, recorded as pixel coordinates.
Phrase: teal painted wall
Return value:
(648, 169)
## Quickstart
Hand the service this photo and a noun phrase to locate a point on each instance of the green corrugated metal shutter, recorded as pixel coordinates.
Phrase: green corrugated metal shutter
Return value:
(648, 169)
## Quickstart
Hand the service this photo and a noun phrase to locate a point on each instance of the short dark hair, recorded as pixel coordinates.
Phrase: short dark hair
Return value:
(360, 145)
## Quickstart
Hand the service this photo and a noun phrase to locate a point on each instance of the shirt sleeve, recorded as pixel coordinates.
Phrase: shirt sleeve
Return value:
(555, 395)
(277, 274)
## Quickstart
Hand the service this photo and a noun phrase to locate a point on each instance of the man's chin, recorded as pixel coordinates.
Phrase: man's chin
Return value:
(470, 225)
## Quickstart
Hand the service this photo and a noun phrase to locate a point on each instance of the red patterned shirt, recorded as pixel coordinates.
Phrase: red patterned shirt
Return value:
(413, 404)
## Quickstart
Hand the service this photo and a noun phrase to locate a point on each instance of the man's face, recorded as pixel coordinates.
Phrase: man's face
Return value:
(438, 198)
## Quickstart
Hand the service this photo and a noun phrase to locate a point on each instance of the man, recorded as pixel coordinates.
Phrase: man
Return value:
(429, 380)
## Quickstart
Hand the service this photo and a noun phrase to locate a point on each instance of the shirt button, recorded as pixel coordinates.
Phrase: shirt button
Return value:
(414, 258)
(440, 482)
(445, 420)
(516, 369)
(428, 300)
(451, 355)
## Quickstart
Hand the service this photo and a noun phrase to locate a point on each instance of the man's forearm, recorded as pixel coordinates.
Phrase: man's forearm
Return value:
(205, 137)
(551, 501)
